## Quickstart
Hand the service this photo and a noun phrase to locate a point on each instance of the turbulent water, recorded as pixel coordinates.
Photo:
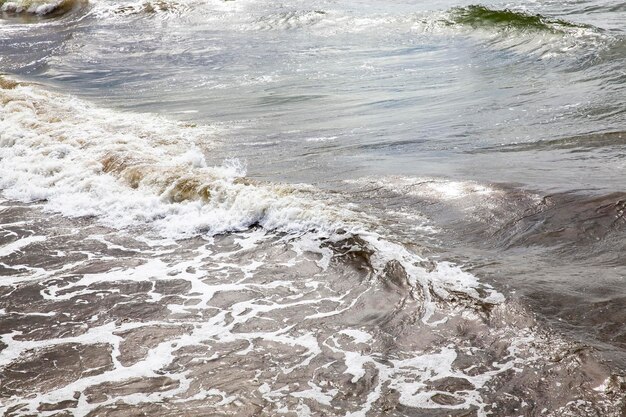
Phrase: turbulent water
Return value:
(321, 208)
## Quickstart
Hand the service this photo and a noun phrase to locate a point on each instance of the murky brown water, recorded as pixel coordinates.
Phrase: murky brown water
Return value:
(98, 322)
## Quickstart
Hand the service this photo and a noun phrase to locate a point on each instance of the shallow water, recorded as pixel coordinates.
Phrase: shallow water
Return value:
(312, 208)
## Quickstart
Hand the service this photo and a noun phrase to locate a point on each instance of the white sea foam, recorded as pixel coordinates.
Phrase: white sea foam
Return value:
(58, 153)
(409, 373)
(322, 139)
(18, 245)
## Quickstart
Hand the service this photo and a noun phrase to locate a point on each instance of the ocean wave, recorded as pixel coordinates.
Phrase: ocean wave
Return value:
(128, 172)
(160, 9)
(38, 8)
(514, 30)
(144, 174)
(506, 29)
(477, 16)
(518, 31)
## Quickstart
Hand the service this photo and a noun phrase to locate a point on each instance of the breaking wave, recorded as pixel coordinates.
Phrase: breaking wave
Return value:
(447, 341)
(38, 8)
(84, 161)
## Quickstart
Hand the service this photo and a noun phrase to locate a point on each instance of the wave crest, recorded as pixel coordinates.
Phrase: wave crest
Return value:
(478, 16)
(38, 8)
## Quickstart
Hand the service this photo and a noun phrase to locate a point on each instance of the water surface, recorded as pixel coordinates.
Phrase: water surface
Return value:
(312, 208)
